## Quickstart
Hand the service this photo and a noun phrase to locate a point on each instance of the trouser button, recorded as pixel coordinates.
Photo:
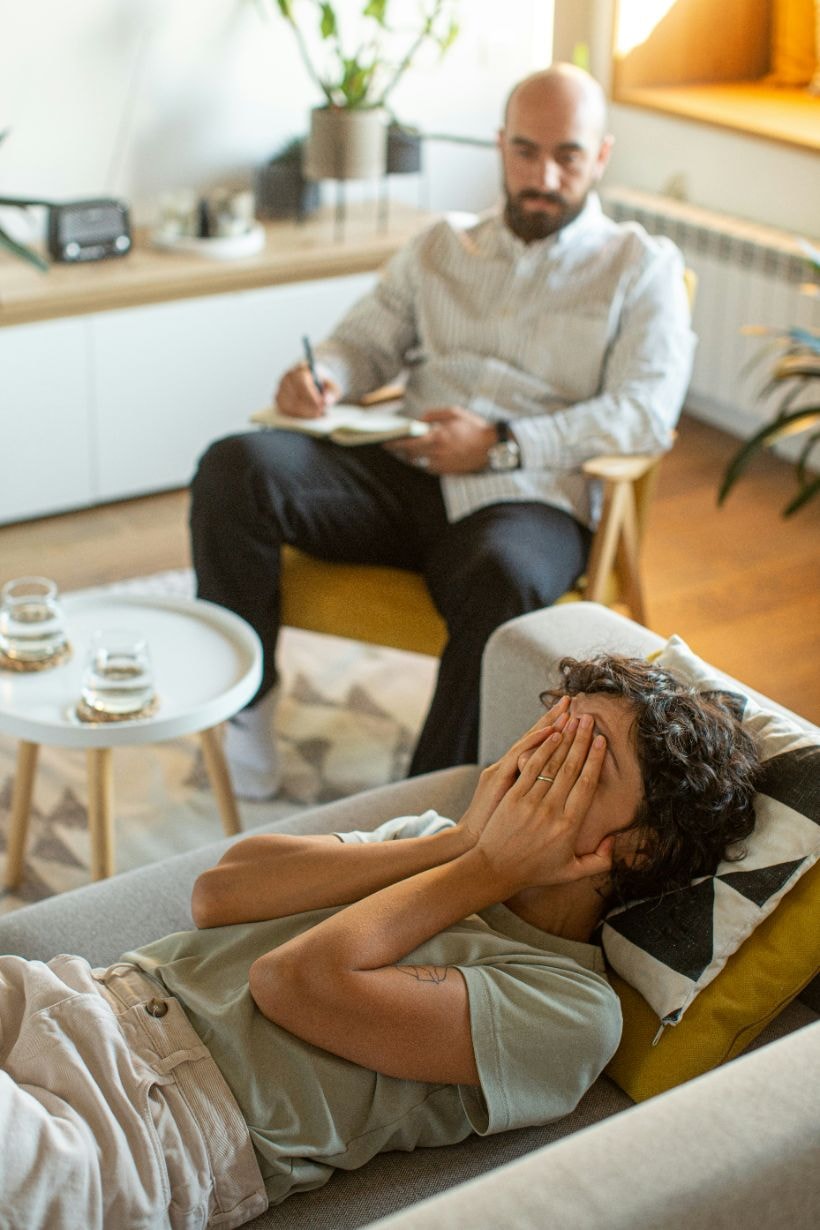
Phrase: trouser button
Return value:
(156, 1007)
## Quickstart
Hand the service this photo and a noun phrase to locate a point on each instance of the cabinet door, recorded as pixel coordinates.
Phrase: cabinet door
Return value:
(45, 453)
(172, 377)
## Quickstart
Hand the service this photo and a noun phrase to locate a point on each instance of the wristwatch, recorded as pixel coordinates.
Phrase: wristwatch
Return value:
(505, 454)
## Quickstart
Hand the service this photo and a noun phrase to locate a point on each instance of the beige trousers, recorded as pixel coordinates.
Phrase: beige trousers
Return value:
(112, 1112)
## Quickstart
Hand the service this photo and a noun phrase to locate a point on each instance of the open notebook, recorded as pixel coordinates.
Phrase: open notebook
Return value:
(348, 425)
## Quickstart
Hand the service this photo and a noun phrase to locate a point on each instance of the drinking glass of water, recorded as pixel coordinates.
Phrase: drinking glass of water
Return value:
(32, 626)
(117, 678)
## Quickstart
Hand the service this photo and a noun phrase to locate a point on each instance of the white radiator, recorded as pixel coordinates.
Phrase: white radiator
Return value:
(747, 275)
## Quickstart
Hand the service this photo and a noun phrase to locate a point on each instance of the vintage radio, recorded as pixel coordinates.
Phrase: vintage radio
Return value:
(90, 230)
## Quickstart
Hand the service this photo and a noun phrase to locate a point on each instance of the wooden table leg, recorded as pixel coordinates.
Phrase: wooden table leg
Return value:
(220, 781)
(20, 811)
(101, 812)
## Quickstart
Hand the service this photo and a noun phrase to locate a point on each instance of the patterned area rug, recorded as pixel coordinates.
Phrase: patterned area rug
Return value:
(348, 720)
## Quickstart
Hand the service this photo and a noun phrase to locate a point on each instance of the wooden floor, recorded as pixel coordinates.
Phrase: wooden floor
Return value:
(740, 584)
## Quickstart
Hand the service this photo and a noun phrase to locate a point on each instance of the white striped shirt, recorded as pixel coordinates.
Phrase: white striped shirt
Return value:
(582, 340)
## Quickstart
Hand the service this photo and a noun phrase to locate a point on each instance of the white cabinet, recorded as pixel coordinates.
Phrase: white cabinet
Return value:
(121, 403)
(45, 411)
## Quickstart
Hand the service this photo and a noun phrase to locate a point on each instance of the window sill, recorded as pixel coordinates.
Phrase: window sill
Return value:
(786, 115)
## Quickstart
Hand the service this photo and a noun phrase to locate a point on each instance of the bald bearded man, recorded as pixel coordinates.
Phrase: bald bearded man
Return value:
(537, 337)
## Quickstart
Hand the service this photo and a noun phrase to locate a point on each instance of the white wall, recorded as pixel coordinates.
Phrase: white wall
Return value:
(133, 97)
(729, 172)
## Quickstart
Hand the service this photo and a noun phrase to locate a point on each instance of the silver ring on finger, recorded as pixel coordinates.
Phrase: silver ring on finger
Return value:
(542, 777)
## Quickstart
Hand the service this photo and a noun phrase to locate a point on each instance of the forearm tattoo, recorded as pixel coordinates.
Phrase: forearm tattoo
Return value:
(425, 973)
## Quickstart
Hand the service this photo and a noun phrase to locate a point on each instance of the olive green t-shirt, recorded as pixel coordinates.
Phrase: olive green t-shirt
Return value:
(544, 1023)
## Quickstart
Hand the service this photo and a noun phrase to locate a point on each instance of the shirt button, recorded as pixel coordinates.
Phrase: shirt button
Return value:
(156, 1007)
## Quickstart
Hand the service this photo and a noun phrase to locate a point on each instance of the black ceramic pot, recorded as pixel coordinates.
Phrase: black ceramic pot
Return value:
(403, 151)
(283, 192)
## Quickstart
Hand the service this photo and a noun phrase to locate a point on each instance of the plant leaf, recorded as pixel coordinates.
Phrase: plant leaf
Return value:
(760, 354)
(805, 453)
(797, 421)
(377, 9)
(795, 364)
(802, 497)
(805, 337)
(811, 252)
(327, 24)
(450, 37)
(19, 249)
(355, 82)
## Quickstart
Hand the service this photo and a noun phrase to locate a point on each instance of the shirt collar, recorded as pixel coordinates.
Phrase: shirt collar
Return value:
(501, 918)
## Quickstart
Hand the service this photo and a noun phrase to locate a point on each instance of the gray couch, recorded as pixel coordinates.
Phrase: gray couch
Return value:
(739, 1146)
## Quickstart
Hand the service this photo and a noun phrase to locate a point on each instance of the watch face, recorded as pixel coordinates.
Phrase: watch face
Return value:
(504, 456)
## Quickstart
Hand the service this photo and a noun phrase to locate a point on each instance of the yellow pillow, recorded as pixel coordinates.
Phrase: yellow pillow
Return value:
(762, 943)
(757, 982)
(794, 50)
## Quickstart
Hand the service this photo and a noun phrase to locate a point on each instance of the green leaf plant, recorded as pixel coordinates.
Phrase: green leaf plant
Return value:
(367, 74)
(11, 245)
(795, 370)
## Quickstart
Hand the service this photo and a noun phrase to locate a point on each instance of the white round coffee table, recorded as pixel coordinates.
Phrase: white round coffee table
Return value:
(207, 664)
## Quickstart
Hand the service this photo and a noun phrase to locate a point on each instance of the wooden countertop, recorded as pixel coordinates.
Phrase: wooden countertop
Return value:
(293, 252)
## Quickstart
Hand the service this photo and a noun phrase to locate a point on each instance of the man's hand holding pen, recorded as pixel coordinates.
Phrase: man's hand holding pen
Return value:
(302, 393)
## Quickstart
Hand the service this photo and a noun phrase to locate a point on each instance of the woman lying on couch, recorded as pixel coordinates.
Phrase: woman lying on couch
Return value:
(345, 995)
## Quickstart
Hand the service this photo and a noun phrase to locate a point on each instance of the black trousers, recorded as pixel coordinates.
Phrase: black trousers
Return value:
(255, 491)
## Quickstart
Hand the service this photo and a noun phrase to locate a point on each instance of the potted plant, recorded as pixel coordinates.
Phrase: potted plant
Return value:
(348, 132)
(795, 372)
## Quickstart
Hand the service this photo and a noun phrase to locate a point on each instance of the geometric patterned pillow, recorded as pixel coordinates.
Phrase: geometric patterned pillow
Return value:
(670, 948)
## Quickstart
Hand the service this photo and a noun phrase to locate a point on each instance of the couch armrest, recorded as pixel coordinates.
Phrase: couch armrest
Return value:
(101, 921)
(521, 659)
(737, 1147)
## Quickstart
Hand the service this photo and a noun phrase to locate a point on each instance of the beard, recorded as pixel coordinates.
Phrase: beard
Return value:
(533, 224)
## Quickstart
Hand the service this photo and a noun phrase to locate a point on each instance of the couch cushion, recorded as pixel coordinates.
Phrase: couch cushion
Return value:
(753, 923)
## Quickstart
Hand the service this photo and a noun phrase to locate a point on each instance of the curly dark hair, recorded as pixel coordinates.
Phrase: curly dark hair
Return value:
(698, 765)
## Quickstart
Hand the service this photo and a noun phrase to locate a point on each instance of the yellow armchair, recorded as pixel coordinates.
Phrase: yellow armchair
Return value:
(393, 607)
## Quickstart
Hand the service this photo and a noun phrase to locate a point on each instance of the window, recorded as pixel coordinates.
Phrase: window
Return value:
(750, 65)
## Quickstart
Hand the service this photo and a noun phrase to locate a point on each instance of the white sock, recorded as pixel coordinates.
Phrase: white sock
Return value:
(251, 751)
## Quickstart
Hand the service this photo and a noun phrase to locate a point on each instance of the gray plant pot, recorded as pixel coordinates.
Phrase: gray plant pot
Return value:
(346, 144)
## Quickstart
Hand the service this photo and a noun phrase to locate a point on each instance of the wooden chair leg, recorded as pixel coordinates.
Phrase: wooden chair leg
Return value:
(605, 543)
(220, 780)
(616, 543)
(101, 812)
(629, 562)
(27, 754)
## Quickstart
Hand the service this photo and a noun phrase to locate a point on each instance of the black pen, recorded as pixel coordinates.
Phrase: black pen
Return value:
(311, 362)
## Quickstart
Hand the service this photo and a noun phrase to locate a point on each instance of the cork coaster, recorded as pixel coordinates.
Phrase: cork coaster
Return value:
(93, 717)
(24, 666)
